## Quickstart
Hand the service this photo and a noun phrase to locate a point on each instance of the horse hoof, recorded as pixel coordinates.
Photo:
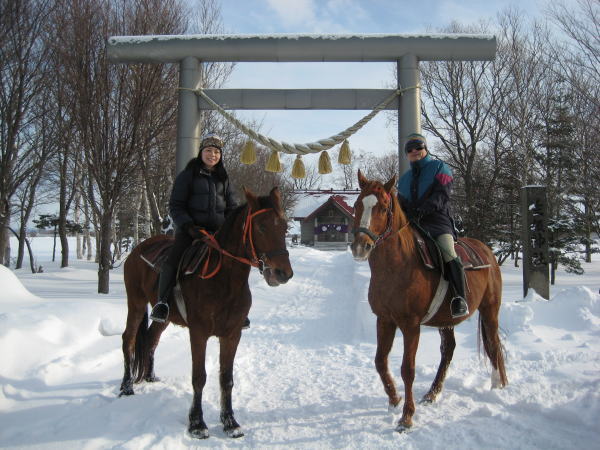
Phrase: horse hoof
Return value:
(427, 399)
(403, 428)
(152, 379)
(126, 392)
(234, 433)
(393, 409)
(199, 433)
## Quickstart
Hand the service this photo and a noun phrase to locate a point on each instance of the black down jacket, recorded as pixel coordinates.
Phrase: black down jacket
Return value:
(201, 197)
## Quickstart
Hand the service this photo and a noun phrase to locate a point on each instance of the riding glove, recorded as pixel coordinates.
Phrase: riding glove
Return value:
(194, 231)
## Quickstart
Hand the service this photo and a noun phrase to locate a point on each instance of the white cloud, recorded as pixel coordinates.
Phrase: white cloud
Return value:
(294, 12)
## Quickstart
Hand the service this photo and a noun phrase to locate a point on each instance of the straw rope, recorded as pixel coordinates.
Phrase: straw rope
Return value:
(300, 149)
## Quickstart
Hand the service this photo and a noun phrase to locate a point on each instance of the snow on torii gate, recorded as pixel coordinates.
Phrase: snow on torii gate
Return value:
(190, 50)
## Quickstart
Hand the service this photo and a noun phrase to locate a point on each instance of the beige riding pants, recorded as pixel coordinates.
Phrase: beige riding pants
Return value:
(446, 243)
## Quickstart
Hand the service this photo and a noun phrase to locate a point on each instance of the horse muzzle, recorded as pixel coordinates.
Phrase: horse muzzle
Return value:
(276, 273)
(275, 277)
(361, 247)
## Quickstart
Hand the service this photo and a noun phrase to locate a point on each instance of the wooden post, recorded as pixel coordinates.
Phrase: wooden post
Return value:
(534, 222)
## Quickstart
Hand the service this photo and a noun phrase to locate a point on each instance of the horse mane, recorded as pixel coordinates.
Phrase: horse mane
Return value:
(226, 229)
(407, 243)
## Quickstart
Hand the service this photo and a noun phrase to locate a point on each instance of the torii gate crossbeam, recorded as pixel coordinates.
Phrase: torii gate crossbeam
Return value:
(406, 50)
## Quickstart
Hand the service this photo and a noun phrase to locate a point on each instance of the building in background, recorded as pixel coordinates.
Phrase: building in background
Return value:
(323, 218)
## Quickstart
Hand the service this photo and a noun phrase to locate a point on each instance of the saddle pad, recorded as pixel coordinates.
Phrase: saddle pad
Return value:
(192, 257)
(157, 253)
(424, 251)
(470, 258)
(431, 257)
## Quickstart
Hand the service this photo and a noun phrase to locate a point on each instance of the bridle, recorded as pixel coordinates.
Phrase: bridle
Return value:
(377, 239)
(254, 260)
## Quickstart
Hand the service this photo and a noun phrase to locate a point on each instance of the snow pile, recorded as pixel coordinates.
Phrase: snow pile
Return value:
(12, 289)
(304, 371)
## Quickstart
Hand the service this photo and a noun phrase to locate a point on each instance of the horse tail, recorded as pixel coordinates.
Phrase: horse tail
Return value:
(493, 348)
(141, 353)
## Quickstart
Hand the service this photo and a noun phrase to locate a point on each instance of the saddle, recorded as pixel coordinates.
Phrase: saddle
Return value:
(156, 254)
(431, 254)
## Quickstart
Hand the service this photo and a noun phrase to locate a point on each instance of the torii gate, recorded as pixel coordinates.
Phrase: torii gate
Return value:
(406, 50)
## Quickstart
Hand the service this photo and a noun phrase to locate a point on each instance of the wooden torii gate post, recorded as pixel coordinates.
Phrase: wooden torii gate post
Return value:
(189, 51)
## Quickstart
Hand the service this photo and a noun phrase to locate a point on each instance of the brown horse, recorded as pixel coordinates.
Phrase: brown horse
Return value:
(253, 234)
(401, 290)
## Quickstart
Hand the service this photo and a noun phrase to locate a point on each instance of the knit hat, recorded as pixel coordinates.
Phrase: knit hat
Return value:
(211, 140)
(414, 140)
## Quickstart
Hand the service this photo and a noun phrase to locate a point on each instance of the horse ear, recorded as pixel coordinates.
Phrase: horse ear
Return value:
(390, 184)
(362, 181)
(250, 197)
(275, 195)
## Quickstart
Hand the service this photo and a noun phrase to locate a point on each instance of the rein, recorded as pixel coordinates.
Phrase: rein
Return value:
(254, 260)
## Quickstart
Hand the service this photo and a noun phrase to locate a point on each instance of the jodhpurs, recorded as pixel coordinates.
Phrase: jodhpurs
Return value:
(446, 243)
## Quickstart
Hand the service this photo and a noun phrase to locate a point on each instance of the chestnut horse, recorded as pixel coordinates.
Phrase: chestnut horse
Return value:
(253, 234)
(401, 290)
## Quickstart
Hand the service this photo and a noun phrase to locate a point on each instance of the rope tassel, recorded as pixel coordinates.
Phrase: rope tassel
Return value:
(273, 164)
(324, 163)
(345, 156)
(298, 170)
(248, 155)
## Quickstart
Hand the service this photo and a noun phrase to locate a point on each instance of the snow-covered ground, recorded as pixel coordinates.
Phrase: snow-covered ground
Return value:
(304, 371)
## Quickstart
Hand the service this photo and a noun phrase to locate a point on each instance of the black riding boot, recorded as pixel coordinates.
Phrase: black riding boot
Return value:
(456, 276)
(166, 279)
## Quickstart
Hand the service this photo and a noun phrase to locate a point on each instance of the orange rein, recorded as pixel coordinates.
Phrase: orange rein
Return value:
(212, 243)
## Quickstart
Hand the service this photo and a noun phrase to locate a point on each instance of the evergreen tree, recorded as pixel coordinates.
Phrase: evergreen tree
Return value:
(557, 165)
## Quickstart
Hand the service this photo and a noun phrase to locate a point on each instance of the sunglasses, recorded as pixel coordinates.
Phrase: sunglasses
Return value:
(415, 149)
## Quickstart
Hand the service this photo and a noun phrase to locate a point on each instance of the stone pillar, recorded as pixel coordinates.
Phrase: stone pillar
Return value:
(534, 223)
(188, 115)
(409, 105)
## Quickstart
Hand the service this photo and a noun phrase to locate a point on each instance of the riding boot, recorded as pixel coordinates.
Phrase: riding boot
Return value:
(160, 312)
(246, 324)
(456, 275)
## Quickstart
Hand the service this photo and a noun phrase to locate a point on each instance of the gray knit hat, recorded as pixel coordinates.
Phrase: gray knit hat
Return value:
(415, 140)
(211, 140)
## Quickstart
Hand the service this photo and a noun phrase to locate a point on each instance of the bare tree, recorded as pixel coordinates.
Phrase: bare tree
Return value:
(113, 104)
(460, 99)
(22, 71)
(382, 168)
(579, 59)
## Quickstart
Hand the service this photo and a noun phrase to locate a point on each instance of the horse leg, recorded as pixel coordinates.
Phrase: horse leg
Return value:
(197, 428)
(386, 331)
(135, 323)
(447, 346)
(155, 331)
(410, 335)
(226, 357)
(488, 329)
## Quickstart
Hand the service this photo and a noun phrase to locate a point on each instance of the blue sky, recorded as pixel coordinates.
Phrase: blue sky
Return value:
(341, 16)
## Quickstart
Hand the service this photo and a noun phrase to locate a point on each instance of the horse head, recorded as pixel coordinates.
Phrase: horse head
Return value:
(267, 236)
(373, 214)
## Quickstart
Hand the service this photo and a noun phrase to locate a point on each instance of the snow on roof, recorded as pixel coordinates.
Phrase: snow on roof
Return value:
(310, 201)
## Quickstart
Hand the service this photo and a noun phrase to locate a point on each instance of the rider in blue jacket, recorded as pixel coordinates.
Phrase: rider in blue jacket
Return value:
(424, 194)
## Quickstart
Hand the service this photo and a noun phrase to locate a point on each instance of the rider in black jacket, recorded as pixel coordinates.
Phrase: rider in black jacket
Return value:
(200, 199)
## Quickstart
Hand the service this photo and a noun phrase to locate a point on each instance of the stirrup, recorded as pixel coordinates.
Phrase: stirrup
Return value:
(458, 307)
(160, 312)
